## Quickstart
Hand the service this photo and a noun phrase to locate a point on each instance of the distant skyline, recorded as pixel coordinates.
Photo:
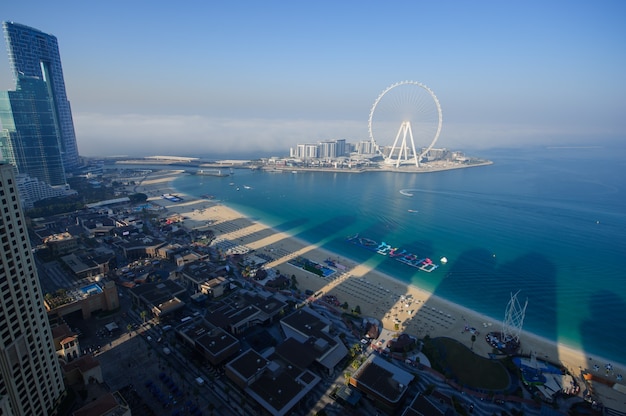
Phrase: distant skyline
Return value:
(259, 77)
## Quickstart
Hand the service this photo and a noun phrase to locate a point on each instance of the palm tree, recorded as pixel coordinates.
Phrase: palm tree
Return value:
(294, 282)
(347, 376)
(143, 316)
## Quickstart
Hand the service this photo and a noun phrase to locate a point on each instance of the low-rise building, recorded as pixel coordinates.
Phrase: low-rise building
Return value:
(403, 343)
(169, 251)
(195, 275)
(160, 298)
(216, 287)
(382, 381)
(188, 257)
(88, 263)
(60, 243)
(83, 370)
(245, 309)
(310, 328)
(96, 224)
(108, 404)
(275, 384)
(89, 298)
(137, 248)
(65, 342)
(215, 344)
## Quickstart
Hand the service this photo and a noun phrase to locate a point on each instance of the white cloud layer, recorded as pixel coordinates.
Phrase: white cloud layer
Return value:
(141, 135)
(135, 134)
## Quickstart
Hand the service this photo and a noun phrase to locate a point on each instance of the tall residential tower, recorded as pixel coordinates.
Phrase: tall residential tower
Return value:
(33, 53)
(30, 375)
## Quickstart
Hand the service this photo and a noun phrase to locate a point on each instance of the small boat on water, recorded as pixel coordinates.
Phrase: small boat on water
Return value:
(443, 260)
(211, 172)
(413, 210)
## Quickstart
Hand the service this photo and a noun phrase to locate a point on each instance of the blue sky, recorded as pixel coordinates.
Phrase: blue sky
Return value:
(225, 77)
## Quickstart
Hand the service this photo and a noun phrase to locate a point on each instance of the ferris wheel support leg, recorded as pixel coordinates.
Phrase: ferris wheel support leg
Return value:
(393, 148)
(415, 155)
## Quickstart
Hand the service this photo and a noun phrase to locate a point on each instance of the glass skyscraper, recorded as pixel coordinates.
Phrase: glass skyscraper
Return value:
(33, 53)
(29, 136)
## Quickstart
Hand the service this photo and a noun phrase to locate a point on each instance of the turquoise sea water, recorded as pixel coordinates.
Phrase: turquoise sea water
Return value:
(550, 223)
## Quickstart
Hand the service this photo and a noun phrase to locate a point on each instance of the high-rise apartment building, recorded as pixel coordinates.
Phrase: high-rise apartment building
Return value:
(30, 375)
(33, 53)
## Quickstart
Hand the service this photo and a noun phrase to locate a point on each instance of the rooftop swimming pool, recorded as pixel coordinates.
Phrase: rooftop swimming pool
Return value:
(92, 289)
(142, 207)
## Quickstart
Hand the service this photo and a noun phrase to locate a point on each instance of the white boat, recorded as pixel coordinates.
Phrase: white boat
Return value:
(443, 260)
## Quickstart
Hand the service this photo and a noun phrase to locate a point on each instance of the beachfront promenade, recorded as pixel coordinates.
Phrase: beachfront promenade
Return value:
(399, 307)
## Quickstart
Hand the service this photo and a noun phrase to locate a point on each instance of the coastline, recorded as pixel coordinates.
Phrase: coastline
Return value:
(181, 163)
(377, 295)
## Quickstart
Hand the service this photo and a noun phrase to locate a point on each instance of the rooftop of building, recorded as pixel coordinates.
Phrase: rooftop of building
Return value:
(200, 271)
(306, 321)
(243, 305)
(280, 387)
(382, 377)
(61, 331)
(210, 338)
(110, 404)
(83, 363)
(299, 354)
(140, 242)
(158, 294)
(58, 237)
(248, 364)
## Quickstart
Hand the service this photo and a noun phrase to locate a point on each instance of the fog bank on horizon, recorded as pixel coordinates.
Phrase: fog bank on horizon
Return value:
(142, 135)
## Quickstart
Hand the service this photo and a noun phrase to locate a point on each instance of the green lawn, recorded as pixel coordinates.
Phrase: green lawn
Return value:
(459, 363)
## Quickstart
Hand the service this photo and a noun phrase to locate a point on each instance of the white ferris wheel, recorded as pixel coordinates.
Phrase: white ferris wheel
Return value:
(405, 123)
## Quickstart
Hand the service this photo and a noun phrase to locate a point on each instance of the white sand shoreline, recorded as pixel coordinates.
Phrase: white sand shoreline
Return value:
(377, 294)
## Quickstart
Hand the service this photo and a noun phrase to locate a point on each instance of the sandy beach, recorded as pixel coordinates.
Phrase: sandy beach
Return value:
(393, 302)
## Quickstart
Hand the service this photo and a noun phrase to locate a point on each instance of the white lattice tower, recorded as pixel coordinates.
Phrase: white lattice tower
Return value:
(513, 319)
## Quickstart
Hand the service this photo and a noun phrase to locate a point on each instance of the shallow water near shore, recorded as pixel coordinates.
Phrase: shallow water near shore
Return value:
(548, 223)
